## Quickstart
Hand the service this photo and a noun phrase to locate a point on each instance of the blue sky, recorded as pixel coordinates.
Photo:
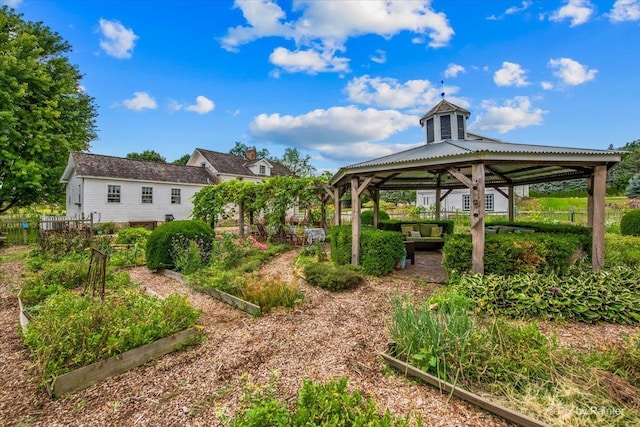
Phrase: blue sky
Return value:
(346, 81)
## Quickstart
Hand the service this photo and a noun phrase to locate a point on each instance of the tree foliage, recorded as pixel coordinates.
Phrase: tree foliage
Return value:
(622, 173)
(182, 160)
(44, 112)
(240, 148)
(211, 202)
(633, 188)
(297, 163)
(148, 156)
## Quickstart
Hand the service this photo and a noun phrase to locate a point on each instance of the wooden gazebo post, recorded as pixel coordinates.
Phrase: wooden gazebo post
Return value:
(597, 216)
(356, 190)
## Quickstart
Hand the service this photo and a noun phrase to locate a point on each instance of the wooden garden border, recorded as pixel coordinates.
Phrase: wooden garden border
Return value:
(87, 375)
(232, 300)
(494, 408)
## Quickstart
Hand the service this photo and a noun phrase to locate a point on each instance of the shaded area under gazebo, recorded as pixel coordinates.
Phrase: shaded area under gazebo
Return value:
(453, 158)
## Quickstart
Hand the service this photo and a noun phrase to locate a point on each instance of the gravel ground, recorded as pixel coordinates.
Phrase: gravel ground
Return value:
(330, 335)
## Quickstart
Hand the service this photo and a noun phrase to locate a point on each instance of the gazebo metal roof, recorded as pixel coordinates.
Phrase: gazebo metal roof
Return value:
(426, 166)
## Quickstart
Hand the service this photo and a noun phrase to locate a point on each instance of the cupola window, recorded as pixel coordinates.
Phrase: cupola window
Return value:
(461, 134)
(430, 131)
(445, 127)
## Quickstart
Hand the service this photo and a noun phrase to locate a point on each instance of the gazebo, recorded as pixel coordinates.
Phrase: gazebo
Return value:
(454, 158)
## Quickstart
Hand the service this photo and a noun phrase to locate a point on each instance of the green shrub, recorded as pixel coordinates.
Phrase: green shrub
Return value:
(604, 296)
(366, 217)
(131, 236)
(105, 228)
(544, 228)
(333, 278)
(56, 245)
(69, 274)
(630, 223)
(379, 250)
(514, 253)
(395, 224)
(622, 250)
(160, 251)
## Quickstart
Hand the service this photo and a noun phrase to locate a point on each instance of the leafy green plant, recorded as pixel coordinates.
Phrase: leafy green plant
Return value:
(608, 295)
(379, 250)
(333, 278)
(630, 223)
(622, 250)
(72, 331)
(105, 228)
(130, 236)
(159, 253)
(318, 404)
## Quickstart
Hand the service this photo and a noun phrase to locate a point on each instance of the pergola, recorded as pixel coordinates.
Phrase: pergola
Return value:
(476, 162)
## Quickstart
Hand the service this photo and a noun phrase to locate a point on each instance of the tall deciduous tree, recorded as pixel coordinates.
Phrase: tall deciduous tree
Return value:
(297, 163)
(148, 156)
(182, 160)
(240, 148)
(44, 112)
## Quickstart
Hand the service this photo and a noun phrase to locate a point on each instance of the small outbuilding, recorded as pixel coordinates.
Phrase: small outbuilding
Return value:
(453, 158)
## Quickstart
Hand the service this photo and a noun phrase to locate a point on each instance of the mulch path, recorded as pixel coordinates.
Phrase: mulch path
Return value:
(330, 335)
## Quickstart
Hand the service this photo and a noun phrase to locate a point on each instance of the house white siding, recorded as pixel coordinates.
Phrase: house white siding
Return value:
(455, 201)
(130, 207)
(74, 197)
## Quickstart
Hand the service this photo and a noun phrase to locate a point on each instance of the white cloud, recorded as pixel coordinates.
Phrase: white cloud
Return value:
(203, 105)
(309, 61)
(571, 72)
(578, 11)
(140, 101)
(11, 3)
(380, 57)
(118, 41)
(546, 85)
(389, 93)
(510, 11)
(334, 132)
(510, 74)
(453, 70)
(324, 26)
(625, 10)
(515, 113)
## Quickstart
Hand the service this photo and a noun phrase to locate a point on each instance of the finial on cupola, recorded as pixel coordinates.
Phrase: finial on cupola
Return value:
(442, 89)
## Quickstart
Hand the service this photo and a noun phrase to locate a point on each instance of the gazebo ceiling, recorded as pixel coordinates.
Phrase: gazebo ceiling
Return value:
(427, 166)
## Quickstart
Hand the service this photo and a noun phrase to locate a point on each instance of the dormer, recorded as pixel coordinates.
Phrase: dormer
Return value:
(445, 121)
(260, 167)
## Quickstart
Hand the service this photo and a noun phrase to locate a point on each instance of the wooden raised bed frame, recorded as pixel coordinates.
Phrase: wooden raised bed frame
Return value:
(232, 300)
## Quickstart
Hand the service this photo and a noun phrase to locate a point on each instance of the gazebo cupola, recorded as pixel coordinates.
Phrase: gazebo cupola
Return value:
(445, 121)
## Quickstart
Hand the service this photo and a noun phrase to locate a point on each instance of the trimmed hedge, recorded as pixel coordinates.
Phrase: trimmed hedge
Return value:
(630, 223)
(515, 253)
(379, 250)
(545, 228)
(159, 251)
(395, 224)
(366, 217)
(333, 278)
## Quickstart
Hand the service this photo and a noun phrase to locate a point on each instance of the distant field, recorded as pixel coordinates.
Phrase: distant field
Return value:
(564, 203)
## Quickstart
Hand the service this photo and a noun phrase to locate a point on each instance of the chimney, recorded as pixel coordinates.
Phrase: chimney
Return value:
(250, 154)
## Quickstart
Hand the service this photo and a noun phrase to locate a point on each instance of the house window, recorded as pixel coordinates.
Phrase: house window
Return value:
(175, 196)
(113, 194)
(147, 195)
(460, 126)
(263, 170)
(488, 202)
(445, 127)
(430, 131)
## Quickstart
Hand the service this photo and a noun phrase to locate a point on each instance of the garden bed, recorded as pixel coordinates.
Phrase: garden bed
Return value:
(451, 389)
(232, 300)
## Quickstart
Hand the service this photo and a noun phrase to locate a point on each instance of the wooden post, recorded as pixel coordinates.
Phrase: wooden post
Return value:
(241, 219)
(337, 210)
(323, 211)
(355, 222)
(375, 196)
(477, 217)
(511, 200)
(438, 203)
(590, 201)
(598, 217)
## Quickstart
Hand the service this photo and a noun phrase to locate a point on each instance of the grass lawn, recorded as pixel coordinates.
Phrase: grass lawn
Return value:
(564, 203)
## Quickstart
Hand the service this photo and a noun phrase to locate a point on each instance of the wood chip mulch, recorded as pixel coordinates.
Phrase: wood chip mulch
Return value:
(330, 335)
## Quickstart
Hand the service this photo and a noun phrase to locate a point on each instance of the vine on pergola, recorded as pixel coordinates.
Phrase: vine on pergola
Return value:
(273, 197)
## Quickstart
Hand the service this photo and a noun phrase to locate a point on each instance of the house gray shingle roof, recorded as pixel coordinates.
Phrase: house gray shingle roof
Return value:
(238, 165)
(95, 165)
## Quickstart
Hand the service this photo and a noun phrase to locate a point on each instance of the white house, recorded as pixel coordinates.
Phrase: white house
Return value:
(447, 121)
(116, 189)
